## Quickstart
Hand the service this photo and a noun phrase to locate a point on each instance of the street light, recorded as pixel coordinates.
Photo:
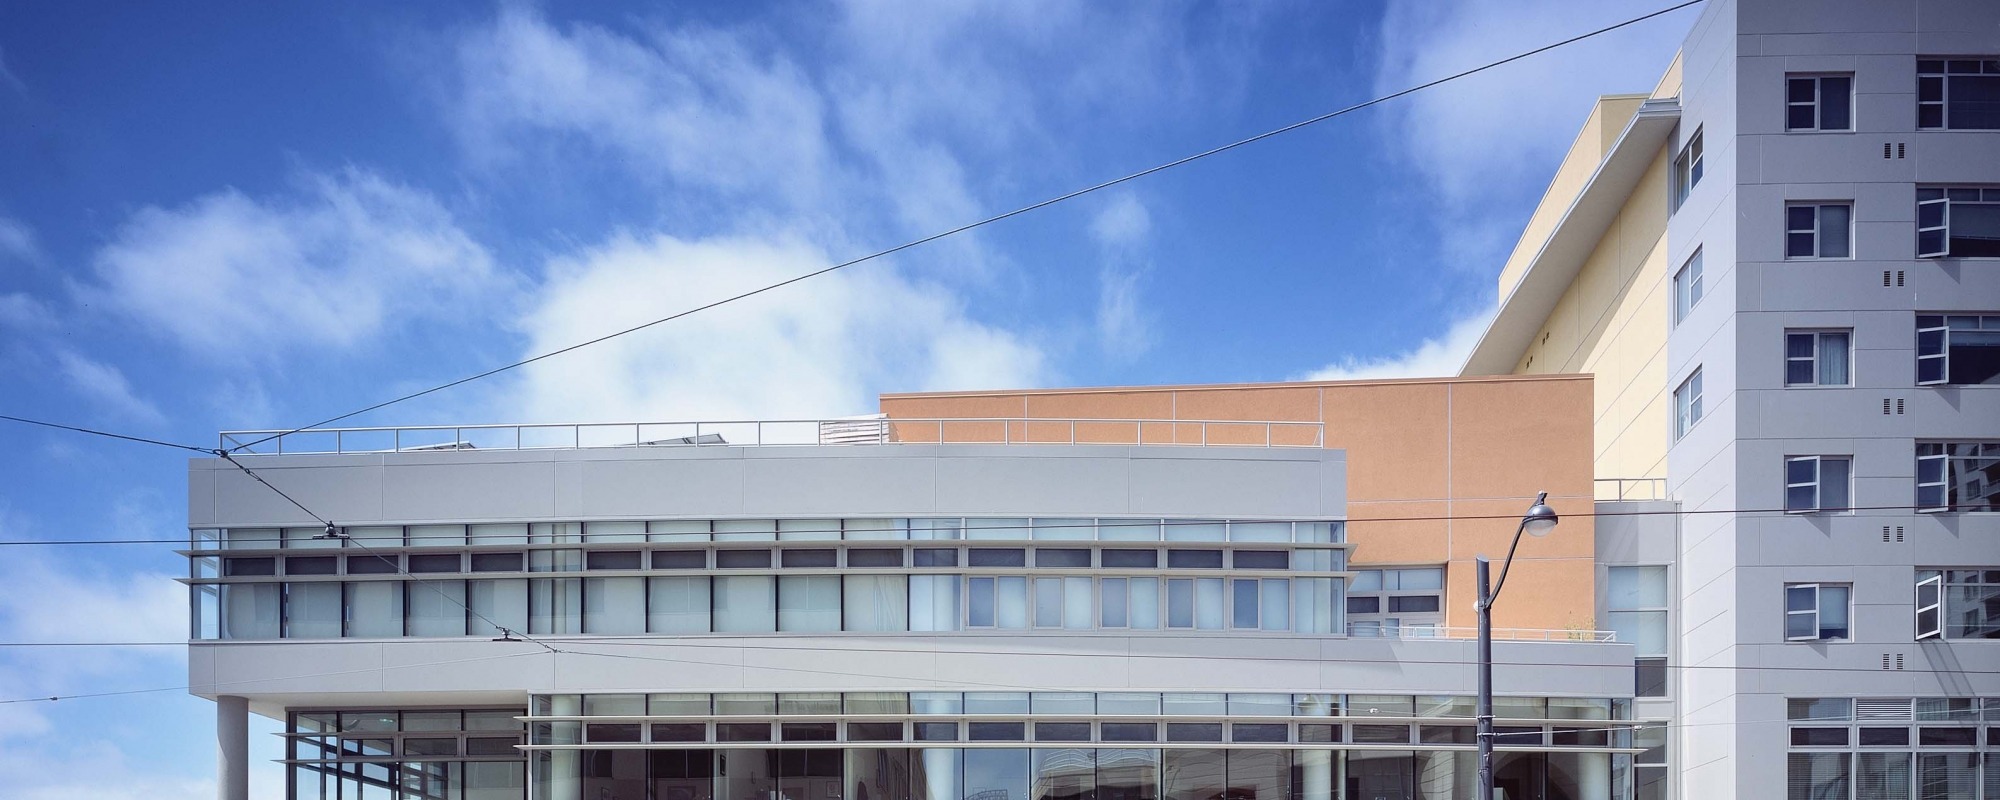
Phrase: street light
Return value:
(1539, 520)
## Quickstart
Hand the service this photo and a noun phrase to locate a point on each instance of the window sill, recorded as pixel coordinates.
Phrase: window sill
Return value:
(1819, 386)
(1797, 131)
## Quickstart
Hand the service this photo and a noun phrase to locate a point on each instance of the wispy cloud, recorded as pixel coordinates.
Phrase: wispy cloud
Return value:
(10, 80)
(22, 310)
(349, 256)
(1120, 230)
(802, 351)
(17, 240)
(1430, 358)
(105, 385)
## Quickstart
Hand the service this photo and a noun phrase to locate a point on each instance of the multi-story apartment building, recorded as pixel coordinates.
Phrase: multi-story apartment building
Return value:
(1780, 266)
(1011, 607)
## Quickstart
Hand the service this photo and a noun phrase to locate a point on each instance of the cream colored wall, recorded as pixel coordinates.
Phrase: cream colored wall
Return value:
(1612, 322)
(1607, 120)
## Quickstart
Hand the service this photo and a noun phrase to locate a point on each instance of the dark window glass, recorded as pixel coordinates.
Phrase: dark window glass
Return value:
(1062, 731)
(430, 747)
(1413, 604)
(238, 567)
(934, 557)
(810, 558)
(1573, 737)
(372, 565)
(609, 732)
(1650, 677)
(1819, 736)
(1258, 732)
(877, 731)
(434, 562)
(875, 557)
(1517, 735)
(742, 731)
(492, 746)
(1947, 737)
(1381, 734)
(1319, 733)
(1885, 737)
(1834, 102)
(496, 562)
(1145, 559)
(313, 565)
(680, 559)
(808, 731)
(1194, 559)
(1049, 557)
(680, 732)
(936, 731)
(612, 559)
(743, 559)
(1364, 605)
(996, 557)
(1263, 559)
(995, 731)
(1446, 734)
(1128, 732)
(1194, 731)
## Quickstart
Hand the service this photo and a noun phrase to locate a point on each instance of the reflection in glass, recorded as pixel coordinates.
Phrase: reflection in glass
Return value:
(996, 774)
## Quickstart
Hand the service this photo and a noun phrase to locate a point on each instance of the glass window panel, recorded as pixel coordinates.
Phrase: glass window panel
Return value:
(1816, 776)
(614, 605)
(1194, 559)
(375, 609)
(745, 604)
(498, 562)
(1882, 776)
(996, 702)
(1077, 607)
(1184, 704)
(997, 773)
(1260, 531)
(803, 530)
(996, 731)
(935, 529)
(875, 603)
(1061, 558)
(678, 604)
(1208, 603)
(996, 557)
(1128, 530)
(1182, 530)
(555, 605)
(678, 530)
(1947, 776)
(1145, 603)
(498, 604)
(809, 603)
(436, 535)
(1112, 597)
(875, 529)
(997, 528)
(614, 559)
(1260, 774)
(1062, 731)
(678, 705)
(934, 602)
(1130, 559)
(743, 559)
(437, 608)
(934, 557)
(1276, 601)
(937, 702)
(1243, 606)
(1065, 529)
(1010, 602)
(746, 530)
(1193, 774)
(1048, 602)
(1128, 703)
(494, 534)
(875, 557)
(555, 532)
(555, 560)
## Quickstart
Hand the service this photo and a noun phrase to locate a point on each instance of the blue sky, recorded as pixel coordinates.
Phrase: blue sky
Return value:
(257, 215)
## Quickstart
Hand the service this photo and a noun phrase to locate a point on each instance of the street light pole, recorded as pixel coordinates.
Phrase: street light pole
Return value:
(1539, 520)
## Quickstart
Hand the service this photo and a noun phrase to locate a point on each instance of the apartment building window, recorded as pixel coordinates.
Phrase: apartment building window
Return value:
(1395, 602)
(1816, 358)
(1636, 609)
(1818, 230)
(1687, 287)
(1817, 611)
(1687, 404)
(1958, 221)
(1888, 748)
(1958, 94)
(1958, 604)
(1687, 169)
(1816, 483)
(1959, 349)
(1958, 476)
(1819, 102)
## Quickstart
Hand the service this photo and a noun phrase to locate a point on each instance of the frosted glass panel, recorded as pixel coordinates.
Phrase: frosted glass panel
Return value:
(875, 603)
(614, 605)
(375, 609)
(437, 608)
(679, 605)
(312, 610)
(745, 604)
(498, 604)
(555, 605)
(809, 603)
(934, 602)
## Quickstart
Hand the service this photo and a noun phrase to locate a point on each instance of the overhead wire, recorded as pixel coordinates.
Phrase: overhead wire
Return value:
(983, 222)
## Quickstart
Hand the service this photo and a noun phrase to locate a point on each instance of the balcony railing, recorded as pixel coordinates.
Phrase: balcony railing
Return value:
(1369, 630)
(1631, 488)
(757, 433)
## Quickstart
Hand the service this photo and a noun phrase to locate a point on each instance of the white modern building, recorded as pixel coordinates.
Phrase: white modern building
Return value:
(1782, 265)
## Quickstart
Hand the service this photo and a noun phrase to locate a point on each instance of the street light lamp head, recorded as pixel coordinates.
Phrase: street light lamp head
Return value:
(1540, 519)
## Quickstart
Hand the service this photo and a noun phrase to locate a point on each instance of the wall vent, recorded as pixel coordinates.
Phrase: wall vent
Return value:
(1899, 277)
(1899, 405)
(1899, 661)
(1885, 278)
(1885, 406)
(1867, 709)
(1899, 149)
(1885, 149)
(1899, 537)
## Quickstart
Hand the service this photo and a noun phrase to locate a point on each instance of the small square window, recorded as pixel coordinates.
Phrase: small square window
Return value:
(1819, 230)
(1817, 483)
(1819, 102)
(1817, 358)
(1687, 287)
(1687, 404)
(1818, 612)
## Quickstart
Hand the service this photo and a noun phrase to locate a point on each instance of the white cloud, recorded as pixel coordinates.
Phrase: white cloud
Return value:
(8, 77)
(105, 385)
(352, 255)
(1436, 357)
(17, 240)
(22, 310)
(1121, 229)
(804, 351)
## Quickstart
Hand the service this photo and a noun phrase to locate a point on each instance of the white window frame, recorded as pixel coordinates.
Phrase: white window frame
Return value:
(1939, 454)
(1818, 230)
(1389, 623)
(1687, 404)
(1687, 287)
(1818, 338)
(1818, 610)
(1940, 197)
(1687, 169)
(1818, 103)
(1930, 582)
(1818, 483)
(1943, 103)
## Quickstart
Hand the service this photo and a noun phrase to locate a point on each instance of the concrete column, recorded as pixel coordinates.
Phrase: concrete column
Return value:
(232, 748)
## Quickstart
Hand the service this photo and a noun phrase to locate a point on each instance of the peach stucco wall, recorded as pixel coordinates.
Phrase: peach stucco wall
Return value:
(1439, 470)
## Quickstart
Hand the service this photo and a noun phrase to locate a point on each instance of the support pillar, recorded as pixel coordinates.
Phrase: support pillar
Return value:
(232, 748)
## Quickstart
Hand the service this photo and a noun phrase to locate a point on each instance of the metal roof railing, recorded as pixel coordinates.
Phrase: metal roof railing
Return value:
(1631, 488)
(1365, 630)
(792, 432)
